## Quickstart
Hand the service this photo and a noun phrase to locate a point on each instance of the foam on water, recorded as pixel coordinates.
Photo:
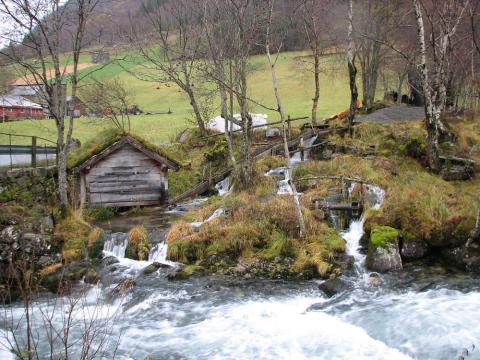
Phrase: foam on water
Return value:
(263, 329)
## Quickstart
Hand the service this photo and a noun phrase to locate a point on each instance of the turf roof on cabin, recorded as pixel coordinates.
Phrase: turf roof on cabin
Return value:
(108, 138)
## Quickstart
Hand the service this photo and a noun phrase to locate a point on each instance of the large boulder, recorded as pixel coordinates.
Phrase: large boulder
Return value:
(467, 258)
(455, 169)
(383, 250)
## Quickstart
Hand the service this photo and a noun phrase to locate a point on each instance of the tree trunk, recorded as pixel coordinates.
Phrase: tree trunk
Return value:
(246, 173)
(475, 235)
(225, 115)
(401, 80)
(316, 97)
(196, 110)
(296, 198)
(352, 71)
(432, 112)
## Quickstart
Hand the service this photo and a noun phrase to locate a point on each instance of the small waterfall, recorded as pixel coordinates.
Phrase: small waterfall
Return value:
(217, 213)
(116, 245)
(296, 158)
(374, 196)
(158, 253)
(352, 237)
(224, 187)
(284, 187)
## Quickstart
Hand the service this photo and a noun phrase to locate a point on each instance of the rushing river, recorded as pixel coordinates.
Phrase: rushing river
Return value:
(423, 312)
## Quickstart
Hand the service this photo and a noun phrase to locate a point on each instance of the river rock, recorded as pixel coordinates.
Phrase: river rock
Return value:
(384, 259)
(124, 287)
(383, 250)
(150, 269)
(334, 287)
(92, 277)
(413, 249)
(466, 258)
(10, 235)
(374, 279)
(457, 172)
(110, 260)
(345, 262)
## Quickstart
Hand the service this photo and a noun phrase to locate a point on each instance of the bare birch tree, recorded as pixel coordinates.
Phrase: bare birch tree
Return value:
(110, 99)
(36, 48)
(171, 52)
(352, 69)
(272, 62)
(435, 89)
(218, 33)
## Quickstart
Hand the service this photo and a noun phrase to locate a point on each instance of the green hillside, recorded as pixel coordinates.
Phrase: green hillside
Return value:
(296, 87)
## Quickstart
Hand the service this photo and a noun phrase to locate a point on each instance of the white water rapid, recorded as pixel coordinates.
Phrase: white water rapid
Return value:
(374, 197)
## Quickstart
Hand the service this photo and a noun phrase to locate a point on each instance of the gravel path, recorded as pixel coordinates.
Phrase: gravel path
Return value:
(394, 114)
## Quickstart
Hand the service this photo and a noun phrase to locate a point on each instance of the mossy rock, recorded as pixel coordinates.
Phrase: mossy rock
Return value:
(186, 272)
(382, 236)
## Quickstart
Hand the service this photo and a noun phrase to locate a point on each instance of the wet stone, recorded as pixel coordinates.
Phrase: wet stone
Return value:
(334, 287)
(110, 260)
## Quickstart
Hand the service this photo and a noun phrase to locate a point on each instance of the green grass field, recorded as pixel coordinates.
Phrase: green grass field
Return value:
(295, 82)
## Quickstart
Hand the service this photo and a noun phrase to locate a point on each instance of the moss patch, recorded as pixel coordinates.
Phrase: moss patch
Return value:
(381, 236)
(104, 140)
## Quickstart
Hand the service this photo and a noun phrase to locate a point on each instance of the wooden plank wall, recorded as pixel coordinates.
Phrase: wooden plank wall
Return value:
(126, 178)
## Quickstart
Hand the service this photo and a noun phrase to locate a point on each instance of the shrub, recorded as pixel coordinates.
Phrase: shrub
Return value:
(279, 245)
(139, 244)
(100, 213)
(50, 269)
(179, 231)
(72, 235)
(218, 152)
(96, 241)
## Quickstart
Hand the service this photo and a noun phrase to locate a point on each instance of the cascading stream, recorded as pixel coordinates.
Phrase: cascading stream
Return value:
(374, 197)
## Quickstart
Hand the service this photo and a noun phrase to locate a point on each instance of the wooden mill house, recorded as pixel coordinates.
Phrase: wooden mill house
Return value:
(125, 174)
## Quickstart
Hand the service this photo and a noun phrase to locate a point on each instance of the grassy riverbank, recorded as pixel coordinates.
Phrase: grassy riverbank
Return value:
(260, 226)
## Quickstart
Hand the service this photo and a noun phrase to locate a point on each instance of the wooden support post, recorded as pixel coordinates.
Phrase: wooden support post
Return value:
(289, 127)
(11, 160)
(34, 152)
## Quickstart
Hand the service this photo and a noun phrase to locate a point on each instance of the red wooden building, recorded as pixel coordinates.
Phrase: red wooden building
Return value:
(14, 107)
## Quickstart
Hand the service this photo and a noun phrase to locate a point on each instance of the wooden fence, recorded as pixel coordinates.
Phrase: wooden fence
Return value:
(27, 156)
